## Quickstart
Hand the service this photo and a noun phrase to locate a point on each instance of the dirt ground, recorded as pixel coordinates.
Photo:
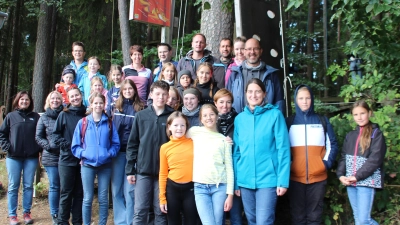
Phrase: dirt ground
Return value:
(40, 208)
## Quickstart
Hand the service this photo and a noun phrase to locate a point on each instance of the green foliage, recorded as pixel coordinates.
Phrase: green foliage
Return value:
(117, 57)
(187, 43)
(226, 5)
(41, 189)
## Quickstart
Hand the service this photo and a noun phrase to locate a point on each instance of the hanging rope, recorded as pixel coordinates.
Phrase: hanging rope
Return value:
(183, 31)
(112, 31)
(179, 29)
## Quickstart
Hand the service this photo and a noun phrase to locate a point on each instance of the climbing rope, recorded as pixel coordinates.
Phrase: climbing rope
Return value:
(179, 29)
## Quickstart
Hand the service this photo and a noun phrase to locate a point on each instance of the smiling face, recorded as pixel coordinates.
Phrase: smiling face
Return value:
(209, 118)
(160, 97)
(303, 100)
(137, 58)
(93, 66)
(253, 52)
(55, 101)
(169, 73)
(204, 74)
(24, 102)
(97, 87)
(164, 54)
(75, 97)
(361, 115)
(239, 50)
(255, 95)
(185, 81)
(78, 53)
(97, 105)
(172, 99)
(116, 76)
(190, 101)
(127, 91)
(198, 43)
(178, 127)
(225, 48)
(224, 104)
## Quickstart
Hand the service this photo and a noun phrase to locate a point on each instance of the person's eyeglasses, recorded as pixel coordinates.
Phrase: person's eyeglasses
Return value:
(253, 49)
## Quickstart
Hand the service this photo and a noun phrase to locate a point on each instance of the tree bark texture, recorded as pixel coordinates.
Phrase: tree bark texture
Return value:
(125, 31)
(216, 23)
(15, 53)
(41, 76)
(310, 41)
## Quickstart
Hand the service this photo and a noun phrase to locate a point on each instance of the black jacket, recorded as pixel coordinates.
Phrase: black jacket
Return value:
(205, 92)
(63, 133)
(147, 135)
(369, 165)
(44, 131)
(17, 135)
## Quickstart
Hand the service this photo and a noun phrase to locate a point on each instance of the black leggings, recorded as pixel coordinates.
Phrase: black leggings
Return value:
(180, 198)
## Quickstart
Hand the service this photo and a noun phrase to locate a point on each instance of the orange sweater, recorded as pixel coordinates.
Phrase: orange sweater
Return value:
(176, 163)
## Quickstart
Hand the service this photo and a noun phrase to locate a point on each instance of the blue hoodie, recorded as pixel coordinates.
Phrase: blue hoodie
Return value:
(97, 148)
(313, 149)
(261, 150)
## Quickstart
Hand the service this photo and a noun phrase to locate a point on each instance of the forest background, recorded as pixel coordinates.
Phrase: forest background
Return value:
(35, 44)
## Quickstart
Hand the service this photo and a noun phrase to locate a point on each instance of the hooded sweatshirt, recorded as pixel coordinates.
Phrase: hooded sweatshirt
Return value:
(313, 149)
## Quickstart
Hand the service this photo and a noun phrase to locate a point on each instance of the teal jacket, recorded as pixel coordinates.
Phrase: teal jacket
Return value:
(261, 150)
(85, 85)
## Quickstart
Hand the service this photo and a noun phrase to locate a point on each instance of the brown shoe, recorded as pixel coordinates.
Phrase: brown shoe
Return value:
(27, 218)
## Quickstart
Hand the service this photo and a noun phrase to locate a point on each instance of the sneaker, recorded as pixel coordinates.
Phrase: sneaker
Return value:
(27, 218)
(55, 220)
(13, 220)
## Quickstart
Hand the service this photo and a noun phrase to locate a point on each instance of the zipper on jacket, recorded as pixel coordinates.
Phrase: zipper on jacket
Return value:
(355, 154)
(305, 133)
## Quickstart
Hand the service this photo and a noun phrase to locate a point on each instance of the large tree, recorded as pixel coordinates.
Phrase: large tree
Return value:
(43, 55)
(216, 23)
(125, 31)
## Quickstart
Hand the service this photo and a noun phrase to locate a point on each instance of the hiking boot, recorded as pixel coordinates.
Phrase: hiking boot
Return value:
(27, 218)
(13, 220)
(55, 220)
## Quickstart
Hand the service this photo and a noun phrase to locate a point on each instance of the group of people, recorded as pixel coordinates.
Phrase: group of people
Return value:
(188, 141)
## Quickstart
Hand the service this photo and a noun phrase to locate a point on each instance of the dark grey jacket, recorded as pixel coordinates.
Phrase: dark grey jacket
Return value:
(44, 131)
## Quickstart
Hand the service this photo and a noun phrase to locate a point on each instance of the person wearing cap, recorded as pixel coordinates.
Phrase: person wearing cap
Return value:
(68, 76)
(184, 81)
(191, 106)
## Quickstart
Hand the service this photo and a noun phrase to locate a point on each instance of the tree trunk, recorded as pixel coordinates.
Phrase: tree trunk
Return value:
(42, 56)
(15, 53)
(5, 54)
(125, 31)
(54, 75)
(310, 46)
(216, 23)
(325, 27)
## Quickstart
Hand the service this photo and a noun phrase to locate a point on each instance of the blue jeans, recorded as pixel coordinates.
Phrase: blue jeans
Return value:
(123, 193)
(54, 190)
(14, 169)
(259, 205)
(146, 195)
(210, 201)
(103, 180)
(361, 200)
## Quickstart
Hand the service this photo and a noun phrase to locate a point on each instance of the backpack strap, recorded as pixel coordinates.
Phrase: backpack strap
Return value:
(83, 129)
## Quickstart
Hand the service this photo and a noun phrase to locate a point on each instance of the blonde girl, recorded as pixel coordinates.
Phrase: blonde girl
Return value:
(361, 165)
(168, 73)
(96, 86)
(176, 173)
(115, 76)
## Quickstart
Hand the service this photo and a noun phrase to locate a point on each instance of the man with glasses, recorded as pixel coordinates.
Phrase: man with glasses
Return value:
(253, 67)
(79, 63)
(164, 51)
